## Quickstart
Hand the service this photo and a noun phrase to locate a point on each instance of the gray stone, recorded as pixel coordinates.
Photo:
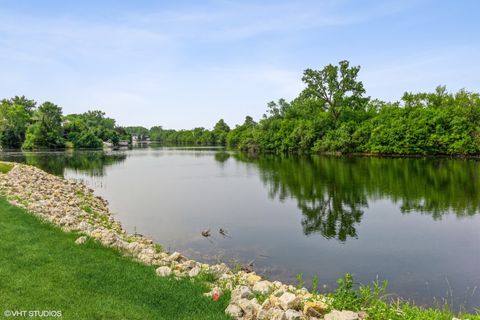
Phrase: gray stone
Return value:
(289, 301)
(341, 315)
(234, 311)
(176, 256)
(293, 315)
(219, 270)
(276, 314)
(163, 271)
(240, 293)
(190, 264)
(194, 272)
(262, 287)
(249, 307)
(85, 226)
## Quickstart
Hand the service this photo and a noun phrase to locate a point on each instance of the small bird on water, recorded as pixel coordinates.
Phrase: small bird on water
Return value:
(206, 233)
(224, 233)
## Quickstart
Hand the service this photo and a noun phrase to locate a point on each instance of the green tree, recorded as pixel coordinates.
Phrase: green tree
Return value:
(220, 131)
(336, 87)
(157, 134)
(15, 117)
(46, 130)
(243, 137)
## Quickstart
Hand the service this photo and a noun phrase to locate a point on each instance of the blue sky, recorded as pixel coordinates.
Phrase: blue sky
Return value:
(183, 64)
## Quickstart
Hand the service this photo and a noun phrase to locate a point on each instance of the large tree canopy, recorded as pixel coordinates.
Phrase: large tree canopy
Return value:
(15, 117)
(336, 87)
(46, 130)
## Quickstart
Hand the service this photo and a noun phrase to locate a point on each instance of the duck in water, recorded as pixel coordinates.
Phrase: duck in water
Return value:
(224, 233)
(206, 233)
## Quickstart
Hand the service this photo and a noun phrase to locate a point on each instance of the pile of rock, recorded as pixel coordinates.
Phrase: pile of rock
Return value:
(74, 207)
(255, 298)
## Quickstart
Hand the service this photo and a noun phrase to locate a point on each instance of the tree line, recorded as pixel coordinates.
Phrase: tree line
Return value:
(24, 125)
(332, 114)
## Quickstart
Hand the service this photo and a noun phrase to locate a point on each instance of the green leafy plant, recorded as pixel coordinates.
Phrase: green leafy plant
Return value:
(345, 297)
(315, 284)
(300, 281)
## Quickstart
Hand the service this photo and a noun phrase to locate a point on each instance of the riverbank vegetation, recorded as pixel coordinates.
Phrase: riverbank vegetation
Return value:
(333, 114)
(88, 281)
(24, 125)
(372, 299)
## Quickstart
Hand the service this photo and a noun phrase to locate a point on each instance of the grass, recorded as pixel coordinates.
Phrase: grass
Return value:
(5, 167)
(370, 299)
(43, 269)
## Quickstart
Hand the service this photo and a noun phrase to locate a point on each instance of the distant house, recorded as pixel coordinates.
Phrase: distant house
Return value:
(107, 144)
(140, 138)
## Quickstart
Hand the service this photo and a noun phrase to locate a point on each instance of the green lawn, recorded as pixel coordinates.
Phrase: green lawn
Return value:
(41, 268)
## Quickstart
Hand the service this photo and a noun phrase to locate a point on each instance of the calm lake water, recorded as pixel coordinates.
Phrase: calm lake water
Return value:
(414, 222)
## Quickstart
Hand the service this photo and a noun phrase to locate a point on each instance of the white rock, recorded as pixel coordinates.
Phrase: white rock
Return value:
(276, 314)
(163, 271)
(289, 301)
(341, 315)
(134, 247)
(85, 226)
(175, 256)
(249, 307)
(262, 287)
(219, 270)
(293, 315)
(148, 251)
(262, 314)
(67, 221)
(241, 292)
(190, 264)
(252, 278)
(302, 291)
(121, 244)
(194, 272)
(81, 240)
(234, 311)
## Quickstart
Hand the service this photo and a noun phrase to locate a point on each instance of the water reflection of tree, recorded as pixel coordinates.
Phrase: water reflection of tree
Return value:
(332, 192)
(221, 156)
(92, 163)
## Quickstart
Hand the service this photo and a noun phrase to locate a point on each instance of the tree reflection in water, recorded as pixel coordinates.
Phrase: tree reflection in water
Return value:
(92, 163)
(332, 192)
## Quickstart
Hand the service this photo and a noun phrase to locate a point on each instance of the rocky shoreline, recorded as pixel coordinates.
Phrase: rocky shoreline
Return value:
(75, 208)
